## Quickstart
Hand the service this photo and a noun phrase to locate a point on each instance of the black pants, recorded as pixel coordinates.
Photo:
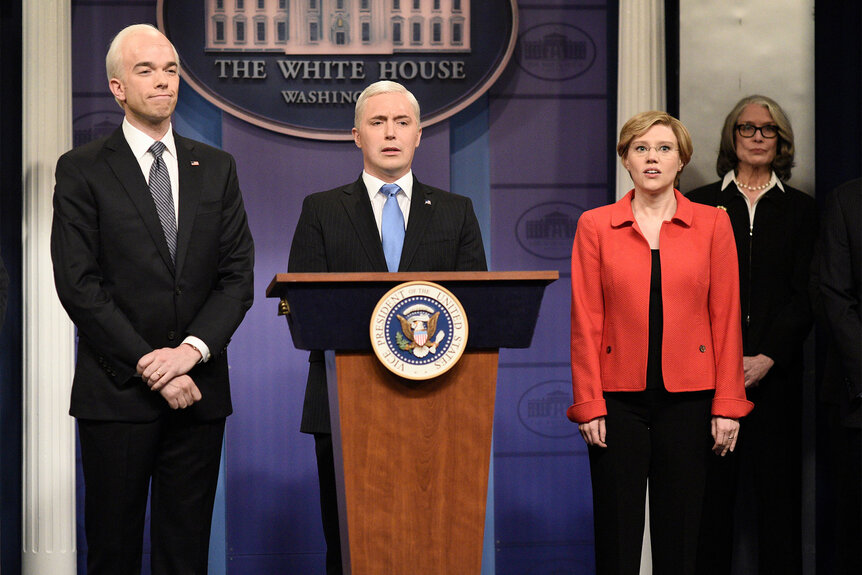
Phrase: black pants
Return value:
(765, 472)
(328, 501)
(665, 438)
(181, 457)
(839, 540)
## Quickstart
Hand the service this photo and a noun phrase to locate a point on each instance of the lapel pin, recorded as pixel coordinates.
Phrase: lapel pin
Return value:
(195, 163)
(427, 202)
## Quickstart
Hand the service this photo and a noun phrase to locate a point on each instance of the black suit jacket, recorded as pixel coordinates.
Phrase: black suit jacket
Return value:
(114, 274)
(336, 232)
(838, 300)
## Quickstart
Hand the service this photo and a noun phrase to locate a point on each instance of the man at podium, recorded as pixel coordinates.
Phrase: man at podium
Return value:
(386, 220)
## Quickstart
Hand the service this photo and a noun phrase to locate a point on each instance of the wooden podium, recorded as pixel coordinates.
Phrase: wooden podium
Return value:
(411, 457)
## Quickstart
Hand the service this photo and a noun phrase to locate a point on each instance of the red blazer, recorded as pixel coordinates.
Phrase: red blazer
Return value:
(702, 338)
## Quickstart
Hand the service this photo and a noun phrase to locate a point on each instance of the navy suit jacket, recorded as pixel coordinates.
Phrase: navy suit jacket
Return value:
(336, 232)
(115, 277)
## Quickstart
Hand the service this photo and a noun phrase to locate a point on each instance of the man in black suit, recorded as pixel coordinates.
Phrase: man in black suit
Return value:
(153, 261)
(345, 230)
(838, 302)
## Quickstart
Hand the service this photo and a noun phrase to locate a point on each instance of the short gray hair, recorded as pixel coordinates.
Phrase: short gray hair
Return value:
(383, 87)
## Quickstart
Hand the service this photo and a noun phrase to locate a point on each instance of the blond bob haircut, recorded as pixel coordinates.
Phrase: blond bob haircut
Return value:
(639, 124)
(785, 150)
(114, 58)
(383, 87)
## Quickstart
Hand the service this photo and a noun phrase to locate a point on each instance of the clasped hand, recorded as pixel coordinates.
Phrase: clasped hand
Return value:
(164, 370)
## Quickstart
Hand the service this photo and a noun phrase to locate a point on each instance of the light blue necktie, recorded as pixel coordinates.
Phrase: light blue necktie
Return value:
(160, 188)
(392, 227)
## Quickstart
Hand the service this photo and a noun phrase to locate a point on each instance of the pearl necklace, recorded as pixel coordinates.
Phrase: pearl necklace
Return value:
(752, 188)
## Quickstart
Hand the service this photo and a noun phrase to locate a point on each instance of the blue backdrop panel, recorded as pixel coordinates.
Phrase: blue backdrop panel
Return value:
(549, 162)
(562, 51)
(541, 141)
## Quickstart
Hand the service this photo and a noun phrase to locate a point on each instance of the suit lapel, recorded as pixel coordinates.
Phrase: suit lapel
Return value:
(190, 174)
(358, 207)
(422, 207)
(128, 171)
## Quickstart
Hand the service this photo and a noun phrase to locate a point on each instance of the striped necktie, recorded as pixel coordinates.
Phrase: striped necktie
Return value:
(392, 227)
(160, 188)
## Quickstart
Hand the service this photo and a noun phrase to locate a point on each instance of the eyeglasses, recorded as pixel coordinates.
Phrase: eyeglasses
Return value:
(663, 150)
(748, 130)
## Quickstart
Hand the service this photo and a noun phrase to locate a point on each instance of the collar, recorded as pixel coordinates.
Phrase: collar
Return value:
(622, 214)
(140, 143)
(773, 181)
(373, 184)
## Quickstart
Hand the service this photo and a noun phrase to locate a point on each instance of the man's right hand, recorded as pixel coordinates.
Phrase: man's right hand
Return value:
(180, 392)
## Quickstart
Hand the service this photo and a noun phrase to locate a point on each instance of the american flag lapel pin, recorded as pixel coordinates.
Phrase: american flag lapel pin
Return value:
(195, 163)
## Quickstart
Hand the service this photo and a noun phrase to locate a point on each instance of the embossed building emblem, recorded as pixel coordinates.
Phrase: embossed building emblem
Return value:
(547, 230)
(419, 330)
(555, 51)
(297, 66)
(542, 409)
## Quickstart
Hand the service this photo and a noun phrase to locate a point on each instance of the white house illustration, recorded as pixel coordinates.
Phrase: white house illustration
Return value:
(300, 27)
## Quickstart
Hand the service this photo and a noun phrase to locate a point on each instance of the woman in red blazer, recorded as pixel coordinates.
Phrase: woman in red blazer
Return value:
(656, 351)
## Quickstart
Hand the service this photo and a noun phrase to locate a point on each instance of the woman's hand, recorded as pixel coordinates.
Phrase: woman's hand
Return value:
(756, 367)
(594, 432)
(725, 432)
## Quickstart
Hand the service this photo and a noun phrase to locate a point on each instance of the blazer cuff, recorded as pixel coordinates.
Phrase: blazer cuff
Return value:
(731, 408)
(587, 411)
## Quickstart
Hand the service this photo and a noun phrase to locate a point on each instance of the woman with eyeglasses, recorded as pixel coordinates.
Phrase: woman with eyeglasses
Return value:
(656, 352)
(775, 226)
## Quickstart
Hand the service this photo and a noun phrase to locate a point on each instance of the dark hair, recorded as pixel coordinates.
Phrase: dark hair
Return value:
(783, 162)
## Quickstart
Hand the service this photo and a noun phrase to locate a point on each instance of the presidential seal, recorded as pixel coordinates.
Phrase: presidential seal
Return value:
(418, 330)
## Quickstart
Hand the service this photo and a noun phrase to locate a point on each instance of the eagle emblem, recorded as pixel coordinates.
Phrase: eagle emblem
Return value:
(419, 333)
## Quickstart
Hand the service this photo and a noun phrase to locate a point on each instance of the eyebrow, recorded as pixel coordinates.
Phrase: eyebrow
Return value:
(638, 142)
(152, 65)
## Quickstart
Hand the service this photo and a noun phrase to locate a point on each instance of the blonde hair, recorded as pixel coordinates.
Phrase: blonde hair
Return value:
(114, 57)
(383, 87)
(640, 123)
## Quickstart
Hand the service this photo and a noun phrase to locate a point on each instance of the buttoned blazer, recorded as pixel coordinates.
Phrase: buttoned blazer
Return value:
(336, 232)
(115, 277)
(701, 342)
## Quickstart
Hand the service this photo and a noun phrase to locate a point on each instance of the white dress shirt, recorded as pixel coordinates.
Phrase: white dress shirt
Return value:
(377, 198)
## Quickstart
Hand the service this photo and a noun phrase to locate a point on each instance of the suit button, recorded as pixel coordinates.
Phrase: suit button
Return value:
(702, 349)
(171, 335)
(608, 350)
(178, 291)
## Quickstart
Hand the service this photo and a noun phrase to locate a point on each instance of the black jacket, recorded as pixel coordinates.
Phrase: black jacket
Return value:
(774, 259)
(336, 232)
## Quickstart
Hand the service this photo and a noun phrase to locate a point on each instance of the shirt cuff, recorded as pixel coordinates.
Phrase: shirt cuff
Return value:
(200, 345)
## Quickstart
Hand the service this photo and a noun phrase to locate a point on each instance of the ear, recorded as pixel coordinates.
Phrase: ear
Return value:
(117, 89)
(356, 139)
(418, 138)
